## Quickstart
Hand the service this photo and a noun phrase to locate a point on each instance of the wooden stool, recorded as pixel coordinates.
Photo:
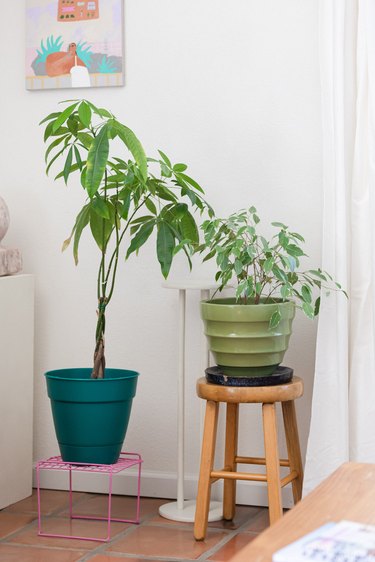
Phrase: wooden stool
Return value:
(233, 396)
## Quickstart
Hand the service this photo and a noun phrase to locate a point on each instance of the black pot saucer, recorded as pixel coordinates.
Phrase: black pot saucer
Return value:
(282, 375)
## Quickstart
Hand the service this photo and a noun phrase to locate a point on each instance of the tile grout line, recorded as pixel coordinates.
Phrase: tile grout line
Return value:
(225, 540)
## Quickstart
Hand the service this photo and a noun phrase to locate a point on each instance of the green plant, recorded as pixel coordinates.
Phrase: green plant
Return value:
(263, 269)
(52, 46)
(84, 53)
(106, 66)
(125, 203)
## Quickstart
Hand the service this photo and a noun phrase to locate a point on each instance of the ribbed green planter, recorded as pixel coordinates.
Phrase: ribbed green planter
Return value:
(240, 338)
(91, 416)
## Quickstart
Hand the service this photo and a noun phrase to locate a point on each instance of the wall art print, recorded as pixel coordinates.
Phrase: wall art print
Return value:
(74, 43)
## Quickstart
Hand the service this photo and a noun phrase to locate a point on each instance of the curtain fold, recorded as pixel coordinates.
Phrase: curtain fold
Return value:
(343, 407)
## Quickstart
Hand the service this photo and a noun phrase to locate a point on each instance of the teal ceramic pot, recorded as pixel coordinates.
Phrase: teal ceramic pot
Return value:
(239, 336)
(91, 415)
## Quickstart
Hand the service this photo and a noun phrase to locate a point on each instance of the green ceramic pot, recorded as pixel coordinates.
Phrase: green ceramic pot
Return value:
(239, 336)
(91, 415)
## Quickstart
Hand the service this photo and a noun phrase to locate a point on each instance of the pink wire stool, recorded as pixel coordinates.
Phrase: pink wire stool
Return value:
(125, 461)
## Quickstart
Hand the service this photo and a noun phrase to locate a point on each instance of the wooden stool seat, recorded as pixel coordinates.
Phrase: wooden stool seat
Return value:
(268, 396)
(250, 394)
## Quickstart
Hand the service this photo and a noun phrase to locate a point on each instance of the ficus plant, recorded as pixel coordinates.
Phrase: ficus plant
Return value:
(129, 196)
(262, 269)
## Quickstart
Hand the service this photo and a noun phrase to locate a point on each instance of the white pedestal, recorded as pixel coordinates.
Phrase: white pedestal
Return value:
(16, 387)
(183, 510)
(187, 512)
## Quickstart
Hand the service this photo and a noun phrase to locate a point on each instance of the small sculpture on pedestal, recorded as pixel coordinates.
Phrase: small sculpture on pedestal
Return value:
(10, 258)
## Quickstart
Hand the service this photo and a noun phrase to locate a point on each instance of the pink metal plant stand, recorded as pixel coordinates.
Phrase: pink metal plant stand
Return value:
(125, 461)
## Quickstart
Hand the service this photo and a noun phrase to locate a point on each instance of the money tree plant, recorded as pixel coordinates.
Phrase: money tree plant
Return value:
(263, 269)
(129, 196)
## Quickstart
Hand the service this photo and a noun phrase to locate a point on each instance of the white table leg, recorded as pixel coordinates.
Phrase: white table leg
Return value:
(182, 510)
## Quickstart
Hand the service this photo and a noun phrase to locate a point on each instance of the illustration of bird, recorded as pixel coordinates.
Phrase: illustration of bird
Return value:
(61, 63)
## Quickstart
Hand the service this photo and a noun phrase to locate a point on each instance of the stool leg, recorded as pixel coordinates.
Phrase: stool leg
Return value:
(272, 462)
(231, 438)
(294, 451)
(207, 461)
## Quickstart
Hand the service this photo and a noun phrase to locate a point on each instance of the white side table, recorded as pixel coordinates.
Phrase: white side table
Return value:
(184, 510)
(16, 387)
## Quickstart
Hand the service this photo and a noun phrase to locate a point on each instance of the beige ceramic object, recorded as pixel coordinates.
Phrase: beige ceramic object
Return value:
(10, 258)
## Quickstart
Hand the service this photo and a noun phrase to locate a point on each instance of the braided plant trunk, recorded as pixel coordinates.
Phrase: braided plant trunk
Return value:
(99, 353)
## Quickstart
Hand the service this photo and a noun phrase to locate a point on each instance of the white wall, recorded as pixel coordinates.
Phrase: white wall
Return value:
(230, 88)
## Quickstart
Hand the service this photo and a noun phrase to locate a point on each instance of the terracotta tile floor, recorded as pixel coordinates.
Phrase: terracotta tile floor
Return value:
(155, 539)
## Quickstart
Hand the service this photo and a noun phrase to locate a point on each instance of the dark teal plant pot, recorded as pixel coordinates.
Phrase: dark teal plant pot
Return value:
(91, 416)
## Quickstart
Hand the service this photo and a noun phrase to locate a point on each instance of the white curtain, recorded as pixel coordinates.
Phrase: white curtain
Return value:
(343, 409)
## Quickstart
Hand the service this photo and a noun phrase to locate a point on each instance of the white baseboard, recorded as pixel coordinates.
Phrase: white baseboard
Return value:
(154, 484)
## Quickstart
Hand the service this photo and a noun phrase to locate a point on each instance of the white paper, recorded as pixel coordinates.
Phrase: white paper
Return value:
(345, 541)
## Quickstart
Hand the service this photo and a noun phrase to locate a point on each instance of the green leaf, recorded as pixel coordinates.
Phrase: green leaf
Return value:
(99, 111)
(81, 222)
(84, 113)
(133, 144)
(73, 168)
(180, 210)
(53, 159)
(60, 131)
(165, 171)
(179, 167)
(53, 144)
(64, 116)
(78, 157)
(297, 236)
(96, 161)
(73, 125)
(104, 113)
(306, 293)
(101, 229)
(317, 307)
(151, 207)
(279, 225)
(86, 139)
(124, 208)
(318, 273)
(238, 266)
(294, 250)
(140, 220)
(275, 319)
(48, 131)
(285, 291)
(190, 181)
(68, 163)
(165, 158)
(100, 207)
(189, 228)
(164, 193)
(49, 117)
(116, 178)
(268, 265)
(209, 255)
(141, 237)
(241, 289)
(292, 263)
(308, 309)
(165, 245)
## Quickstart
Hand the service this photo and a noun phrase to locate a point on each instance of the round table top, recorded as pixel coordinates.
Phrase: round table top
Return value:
(250, 394)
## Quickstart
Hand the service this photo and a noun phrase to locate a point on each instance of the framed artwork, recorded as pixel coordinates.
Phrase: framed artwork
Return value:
(74, 43)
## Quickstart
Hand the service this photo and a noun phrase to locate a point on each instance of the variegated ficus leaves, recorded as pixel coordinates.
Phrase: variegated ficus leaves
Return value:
(126, 202)
(263, 269)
